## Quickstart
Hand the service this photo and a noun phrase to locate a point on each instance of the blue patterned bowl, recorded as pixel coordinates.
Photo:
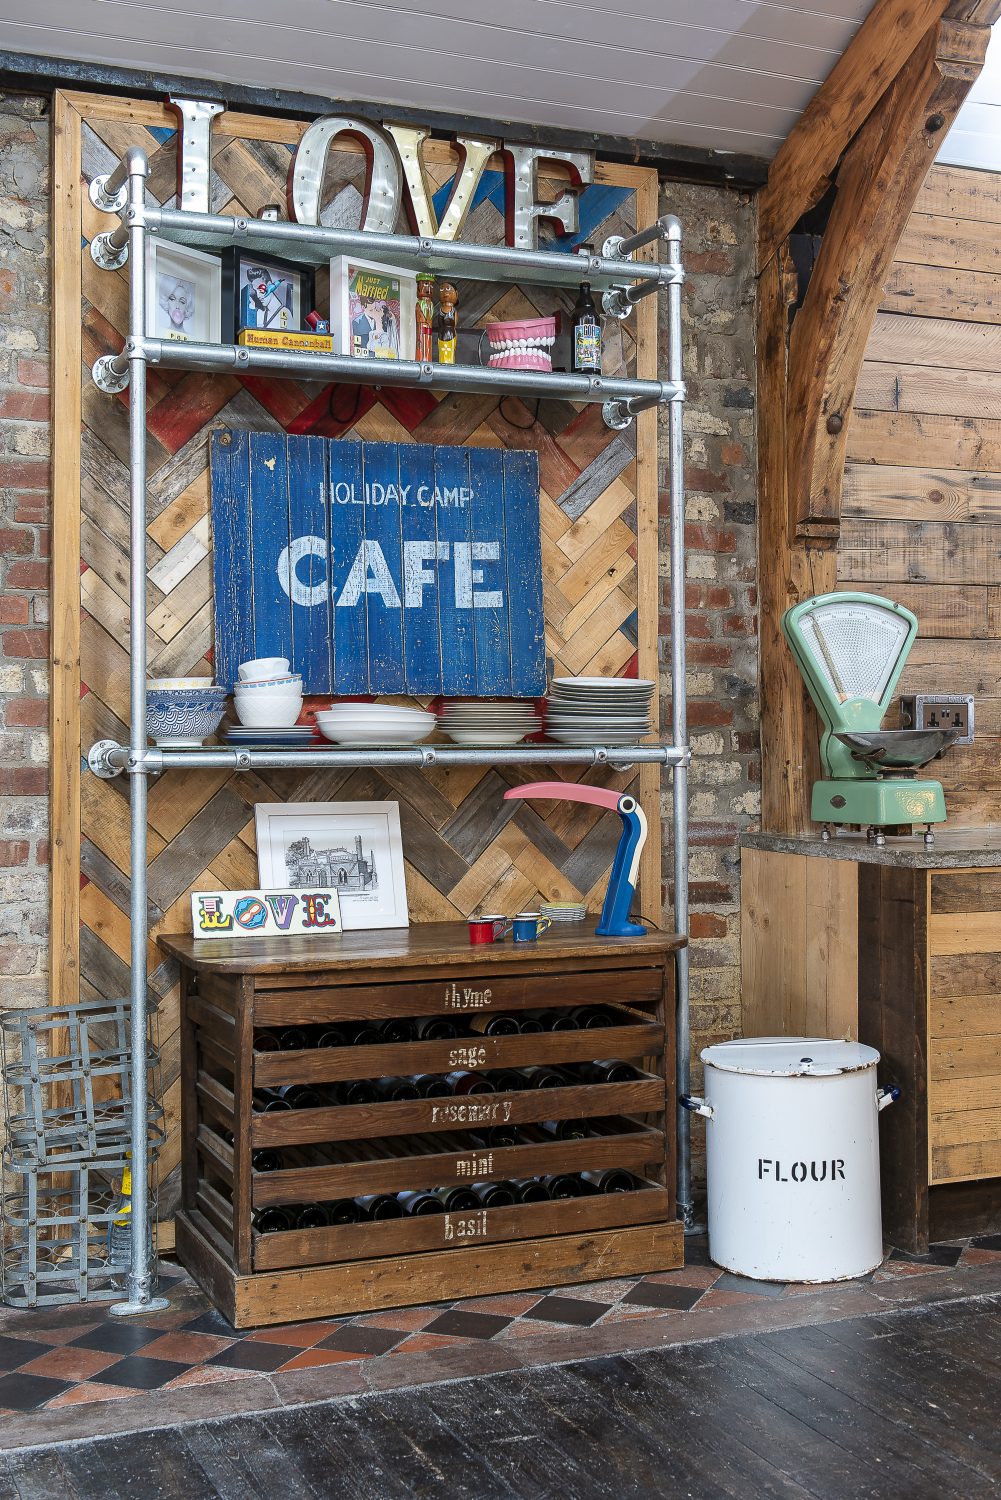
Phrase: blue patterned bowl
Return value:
(180, 717)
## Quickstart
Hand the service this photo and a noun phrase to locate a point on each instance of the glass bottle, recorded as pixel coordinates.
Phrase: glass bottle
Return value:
(585, 334)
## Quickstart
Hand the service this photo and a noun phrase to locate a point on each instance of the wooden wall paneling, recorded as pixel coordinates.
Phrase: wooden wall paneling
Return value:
(799, 945)
(942, 292)
(892, 492)
(599, 506)
(893, 1004)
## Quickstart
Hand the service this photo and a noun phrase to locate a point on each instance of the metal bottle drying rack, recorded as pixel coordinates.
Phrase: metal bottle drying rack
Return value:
(623, 283)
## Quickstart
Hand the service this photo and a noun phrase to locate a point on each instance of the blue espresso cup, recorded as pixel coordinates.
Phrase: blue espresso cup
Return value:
(529, 925)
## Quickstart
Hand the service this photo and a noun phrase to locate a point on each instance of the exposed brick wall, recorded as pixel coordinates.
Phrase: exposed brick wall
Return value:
(24, 548)
(721, 596)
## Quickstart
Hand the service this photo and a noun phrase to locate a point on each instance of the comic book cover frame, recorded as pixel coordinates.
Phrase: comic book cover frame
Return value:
(235, 260)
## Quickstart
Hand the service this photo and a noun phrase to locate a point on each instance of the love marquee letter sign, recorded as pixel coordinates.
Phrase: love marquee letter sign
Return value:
(379, 567)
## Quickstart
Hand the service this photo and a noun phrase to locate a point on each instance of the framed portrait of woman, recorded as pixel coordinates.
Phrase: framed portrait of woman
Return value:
(183, 290)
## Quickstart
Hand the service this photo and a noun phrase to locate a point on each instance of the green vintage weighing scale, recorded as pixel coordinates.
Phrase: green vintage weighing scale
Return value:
(851, 650)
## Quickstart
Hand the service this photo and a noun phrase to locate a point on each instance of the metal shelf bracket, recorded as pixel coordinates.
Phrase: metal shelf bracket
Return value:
(106, 254)
(106, 377)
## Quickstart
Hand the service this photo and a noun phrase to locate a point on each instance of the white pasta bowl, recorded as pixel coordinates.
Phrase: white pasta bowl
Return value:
(268, 710)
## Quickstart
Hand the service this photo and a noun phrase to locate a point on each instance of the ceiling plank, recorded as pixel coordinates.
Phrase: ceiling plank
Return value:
(803, 165)
(877, 184)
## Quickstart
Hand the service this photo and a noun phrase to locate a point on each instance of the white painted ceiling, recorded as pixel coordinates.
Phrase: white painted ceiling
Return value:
(729, 74)
(975, 138)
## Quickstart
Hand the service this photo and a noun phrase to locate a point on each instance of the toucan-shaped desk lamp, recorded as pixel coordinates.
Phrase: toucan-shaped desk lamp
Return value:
(615, 920)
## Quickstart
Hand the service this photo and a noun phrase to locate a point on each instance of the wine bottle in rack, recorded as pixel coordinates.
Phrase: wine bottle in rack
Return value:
(418, 1203)
(293, 1039)
(494, 1194)
(342, 1211)
(499, 1025)
(496, 1135)
(461, 1082)
(365, 1035)
(591, 1017)
(431, 1086)
(608, 1071)
(379, 1206)
(566, 1130)
(615, 1180)
(556, 1020)
(435, 1029)
(272, 1220)
(266, 1160)
(266, 1041)
(301, 1096)
(332, 1036)
(530, 1025)
(544, 1078)
(393, 1089)
(530, 1190)
(355, 1091)
(397, 1029)
(312, 1216)
(507, 1080)
(268, 1101)
(457, 1200)
(562, 1185)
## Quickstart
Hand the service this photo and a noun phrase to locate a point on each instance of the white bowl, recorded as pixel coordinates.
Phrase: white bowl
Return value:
(268, 713)
(180, 685)
(360, 712)
(263, 666)
(268, 683)
(374, 734)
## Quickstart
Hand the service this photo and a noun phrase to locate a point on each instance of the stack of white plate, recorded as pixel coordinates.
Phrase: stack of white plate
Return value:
(298, 737)
(489, 721)
(598, 710)
(374, 724)
(563, 911)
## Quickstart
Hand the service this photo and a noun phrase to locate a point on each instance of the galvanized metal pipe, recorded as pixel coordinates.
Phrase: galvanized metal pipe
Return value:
(679, 718)
(315, 243)
(118, 757)
(471, 378)
(138, 1297)
(661, 229)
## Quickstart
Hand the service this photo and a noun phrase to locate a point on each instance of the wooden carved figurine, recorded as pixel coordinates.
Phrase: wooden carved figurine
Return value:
(448, 323)
(425, 318)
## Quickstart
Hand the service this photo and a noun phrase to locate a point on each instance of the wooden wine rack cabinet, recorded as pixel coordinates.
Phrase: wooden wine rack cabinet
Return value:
(231, 987)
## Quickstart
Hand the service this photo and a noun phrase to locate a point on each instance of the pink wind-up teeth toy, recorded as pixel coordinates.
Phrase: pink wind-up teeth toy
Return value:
(524, 345)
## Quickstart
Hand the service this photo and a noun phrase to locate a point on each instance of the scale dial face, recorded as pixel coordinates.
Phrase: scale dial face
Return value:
(854, 649)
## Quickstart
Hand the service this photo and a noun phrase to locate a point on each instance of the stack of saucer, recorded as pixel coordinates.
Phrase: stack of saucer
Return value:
(299, 737)
(563, 911)
(598, 710)
(489, 721)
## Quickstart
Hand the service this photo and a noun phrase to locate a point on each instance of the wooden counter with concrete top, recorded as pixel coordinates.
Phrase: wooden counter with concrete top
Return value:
(901, 947)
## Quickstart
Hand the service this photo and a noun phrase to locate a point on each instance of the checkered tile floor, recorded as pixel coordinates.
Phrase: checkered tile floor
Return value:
(76, 1354)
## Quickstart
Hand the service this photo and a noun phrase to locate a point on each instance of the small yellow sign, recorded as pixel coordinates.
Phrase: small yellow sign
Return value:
(308, 343)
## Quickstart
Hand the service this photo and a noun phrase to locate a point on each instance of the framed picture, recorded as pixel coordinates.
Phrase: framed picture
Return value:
(353, 848)
(372, 309)
(183, 288)
(264, 293)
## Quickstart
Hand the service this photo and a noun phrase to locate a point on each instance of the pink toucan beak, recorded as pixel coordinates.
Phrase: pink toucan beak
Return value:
(567, 791)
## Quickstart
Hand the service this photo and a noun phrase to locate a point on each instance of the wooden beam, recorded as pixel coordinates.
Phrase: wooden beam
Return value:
(805, 162)
(64, 697)
(978, 12)
(877, 185)
(789, 570)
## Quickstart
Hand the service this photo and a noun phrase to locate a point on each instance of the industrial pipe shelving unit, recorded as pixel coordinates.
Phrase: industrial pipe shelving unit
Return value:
(623, 283)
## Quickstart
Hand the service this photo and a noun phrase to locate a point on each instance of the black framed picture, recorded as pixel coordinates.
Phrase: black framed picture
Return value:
(263, 293)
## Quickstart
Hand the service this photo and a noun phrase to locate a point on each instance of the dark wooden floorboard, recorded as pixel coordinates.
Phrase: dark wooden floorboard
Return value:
(903, 1405)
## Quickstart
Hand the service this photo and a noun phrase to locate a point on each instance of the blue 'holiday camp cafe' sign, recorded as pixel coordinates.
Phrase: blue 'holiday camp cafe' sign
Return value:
(379, 567)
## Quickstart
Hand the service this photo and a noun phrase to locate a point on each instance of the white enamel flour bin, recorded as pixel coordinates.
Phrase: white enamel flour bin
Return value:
(793, 1157)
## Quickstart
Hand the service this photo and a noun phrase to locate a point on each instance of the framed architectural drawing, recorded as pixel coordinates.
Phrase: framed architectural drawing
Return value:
(353, 848)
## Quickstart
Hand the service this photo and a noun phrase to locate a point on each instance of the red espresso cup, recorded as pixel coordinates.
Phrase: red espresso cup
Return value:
(488, 929)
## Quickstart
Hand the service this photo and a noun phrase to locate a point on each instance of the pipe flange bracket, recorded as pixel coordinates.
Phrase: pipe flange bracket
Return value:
(616, 415)
(107, 378)
(98, 760)
(612, 248)
(106, 255)
(615, 304)
(108, 203)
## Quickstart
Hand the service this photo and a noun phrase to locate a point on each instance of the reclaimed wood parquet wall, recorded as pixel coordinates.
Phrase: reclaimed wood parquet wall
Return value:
(464, 846)
(922, 495)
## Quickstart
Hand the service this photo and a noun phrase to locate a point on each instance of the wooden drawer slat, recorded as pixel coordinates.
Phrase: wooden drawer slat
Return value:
(212, 1022)
(210, 1088)
(219, 1152)
(471, 1054)
(316, 1184)
(643, 1095)
(312, 1247)
(453, 994)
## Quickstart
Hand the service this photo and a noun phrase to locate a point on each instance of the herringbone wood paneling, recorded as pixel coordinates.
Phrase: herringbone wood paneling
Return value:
(465, 847)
